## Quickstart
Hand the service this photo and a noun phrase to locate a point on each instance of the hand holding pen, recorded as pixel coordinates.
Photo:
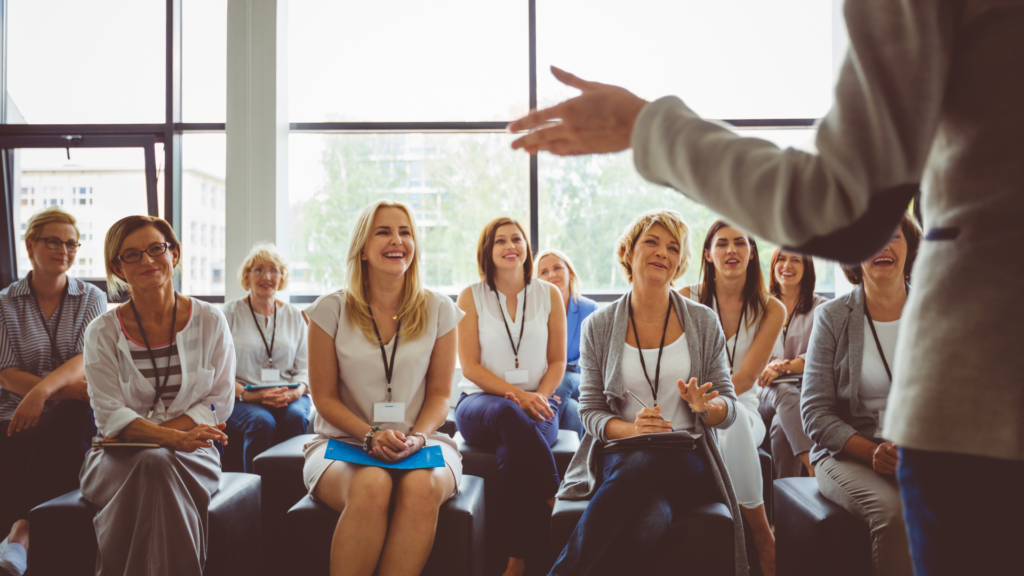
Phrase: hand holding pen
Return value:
(649, 420)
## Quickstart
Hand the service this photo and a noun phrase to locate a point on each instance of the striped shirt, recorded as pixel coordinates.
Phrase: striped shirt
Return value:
(24, 342)
(162, 353)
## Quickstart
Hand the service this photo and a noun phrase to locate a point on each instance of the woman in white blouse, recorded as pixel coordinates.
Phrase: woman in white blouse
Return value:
(512, 352)
(270, 347)
(732, 285)
(384, 312)
(161, 370)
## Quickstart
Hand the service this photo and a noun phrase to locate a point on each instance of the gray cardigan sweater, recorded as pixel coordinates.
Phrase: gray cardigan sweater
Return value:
(602, 396)
(830, 403)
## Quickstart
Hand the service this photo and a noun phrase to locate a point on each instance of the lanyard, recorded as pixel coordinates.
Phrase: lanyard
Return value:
(522, 325)
(273, 335)
(388, 370)
(156, 371)
(736, 342)
(878, 344)
(785, 329)
(661, 347)
(55, 357)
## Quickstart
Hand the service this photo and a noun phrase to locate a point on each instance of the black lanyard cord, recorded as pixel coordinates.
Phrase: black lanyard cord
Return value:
(661, 348)
(273, 335)
(55, 358)
(878, 343)
(170, 341)
(389, 370)
(736, 342)
(522, 325)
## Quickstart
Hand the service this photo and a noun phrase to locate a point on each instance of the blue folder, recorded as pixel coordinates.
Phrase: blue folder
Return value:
(427, 457)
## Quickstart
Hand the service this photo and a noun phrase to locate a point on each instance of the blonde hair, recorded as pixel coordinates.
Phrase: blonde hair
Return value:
(574, 279)
(672, 221)
(115, 238)
(51, 215)
(413, 311)
(262, 252)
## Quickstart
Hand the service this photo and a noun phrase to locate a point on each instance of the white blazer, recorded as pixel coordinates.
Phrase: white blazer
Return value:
(119, 393)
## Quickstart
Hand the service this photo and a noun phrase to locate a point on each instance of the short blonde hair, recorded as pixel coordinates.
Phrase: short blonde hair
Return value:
(574, 279)
(115, 238)
(672, 221)
(262, 252)
(51, 215)
(413, 311)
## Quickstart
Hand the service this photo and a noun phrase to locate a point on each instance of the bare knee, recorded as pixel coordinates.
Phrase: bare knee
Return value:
(369, 490)
(422, 489)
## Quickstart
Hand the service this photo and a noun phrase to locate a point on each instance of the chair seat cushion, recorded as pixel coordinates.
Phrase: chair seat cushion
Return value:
(812, 531)
(484, 463)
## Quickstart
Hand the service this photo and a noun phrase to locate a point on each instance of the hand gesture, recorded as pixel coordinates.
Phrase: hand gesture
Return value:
(650, 421)
(535, 405)
(698, 397)
(885, 458)
(600, 120)
(768, 376)
(276, 397)
(202, 436)
(28, 412)
(392, 446)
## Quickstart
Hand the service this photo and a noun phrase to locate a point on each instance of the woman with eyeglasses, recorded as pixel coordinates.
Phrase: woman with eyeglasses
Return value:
(270, 351)
(45, 419)
(161, 371)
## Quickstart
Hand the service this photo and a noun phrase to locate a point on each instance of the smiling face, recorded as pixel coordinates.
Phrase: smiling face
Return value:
(509, 251)
(264, 279)
(655, 257)
(150, 272)
(887, 265)
(53, 261)
(551, 269)
(729, 252)
(391, 248)
(789, 270)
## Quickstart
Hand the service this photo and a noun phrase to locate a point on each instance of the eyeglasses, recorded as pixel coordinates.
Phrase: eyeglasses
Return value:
(133, 256)
(55, 244)
(271, 272)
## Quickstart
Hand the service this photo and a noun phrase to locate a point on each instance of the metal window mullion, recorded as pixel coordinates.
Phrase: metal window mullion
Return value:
(534, 169)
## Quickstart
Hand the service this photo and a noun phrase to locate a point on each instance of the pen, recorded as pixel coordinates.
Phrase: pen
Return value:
(637, 398)
(214, 410)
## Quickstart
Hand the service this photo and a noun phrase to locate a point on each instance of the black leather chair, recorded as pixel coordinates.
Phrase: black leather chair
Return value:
(705, 539)
(484, 463)
(64, 539)
(816, 536)
(458, 545)
(280, 467)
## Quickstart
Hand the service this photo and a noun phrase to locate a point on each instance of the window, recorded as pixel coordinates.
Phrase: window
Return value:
(195, 237)
(202, 174)
(204, 50)
(202, 235)
(194, 268)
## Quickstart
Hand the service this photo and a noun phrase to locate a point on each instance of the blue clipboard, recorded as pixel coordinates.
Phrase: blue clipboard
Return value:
(427, 457)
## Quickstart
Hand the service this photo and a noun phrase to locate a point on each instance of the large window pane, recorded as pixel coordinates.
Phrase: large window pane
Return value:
(204, 70)
(98, 186)
(407, 60)
(455, 183)
(74, 62)
(726, 59)
(203, 233)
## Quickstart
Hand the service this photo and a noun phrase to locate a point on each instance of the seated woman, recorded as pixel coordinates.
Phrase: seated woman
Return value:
(733, 287)
(554, 267)
(792, 282)
(270, 348)
(846, 383)
(383, 339)
(161, 370)
(512, 351)
(45, 420)
(653, 345)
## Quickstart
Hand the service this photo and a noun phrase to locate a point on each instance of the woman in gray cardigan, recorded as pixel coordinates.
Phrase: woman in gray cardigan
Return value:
(652, 347)
(847, 374)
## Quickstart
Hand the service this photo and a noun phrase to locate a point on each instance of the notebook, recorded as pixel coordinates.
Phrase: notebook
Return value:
(679, 440)
(281, 384)
(427, 457)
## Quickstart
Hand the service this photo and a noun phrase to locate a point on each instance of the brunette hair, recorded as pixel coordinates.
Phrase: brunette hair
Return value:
(485, 248)
(115, 238)
(755, 296)
(806, 301)
(911, 233)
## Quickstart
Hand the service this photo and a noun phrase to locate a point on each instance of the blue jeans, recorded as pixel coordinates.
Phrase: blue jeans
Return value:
(569, 392)
(643, 493)
(260, 427)
(964, 514)
(526, 466)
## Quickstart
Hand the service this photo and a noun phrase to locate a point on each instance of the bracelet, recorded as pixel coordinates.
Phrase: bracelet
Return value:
(421, 435)
(369, 437)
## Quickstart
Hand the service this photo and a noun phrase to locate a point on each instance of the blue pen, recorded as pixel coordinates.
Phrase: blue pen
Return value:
(637, 398)
(214, 410)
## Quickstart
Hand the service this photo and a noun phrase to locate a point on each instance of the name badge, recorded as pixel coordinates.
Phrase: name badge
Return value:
(270, 375)
(389, 411)
(517, 376)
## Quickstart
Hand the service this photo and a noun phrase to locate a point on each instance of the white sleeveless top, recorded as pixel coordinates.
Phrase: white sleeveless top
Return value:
(675, 365)
(746, 335)
(495, 349)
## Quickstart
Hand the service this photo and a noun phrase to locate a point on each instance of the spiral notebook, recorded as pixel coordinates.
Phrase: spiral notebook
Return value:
(427, 457)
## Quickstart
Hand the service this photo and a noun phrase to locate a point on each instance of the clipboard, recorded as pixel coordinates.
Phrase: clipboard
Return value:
(427, 457)
(124, 445)
(282, 384)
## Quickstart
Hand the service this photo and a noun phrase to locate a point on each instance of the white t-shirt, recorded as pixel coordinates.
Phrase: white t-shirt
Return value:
(495, 349)
(874, 381)
(361, 378)
(675, 365)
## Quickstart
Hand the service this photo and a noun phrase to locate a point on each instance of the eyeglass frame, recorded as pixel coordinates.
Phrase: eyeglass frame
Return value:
(165, 245)
(67, 245)
(271, 272)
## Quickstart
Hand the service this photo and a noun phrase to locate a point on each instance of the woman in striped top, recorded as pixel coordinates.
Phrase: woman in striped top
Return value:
(161, 370)
(45, 420)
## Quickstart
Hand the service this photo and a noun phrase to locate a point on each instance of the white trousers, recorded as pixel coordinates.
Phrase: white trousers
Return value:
(738, 444)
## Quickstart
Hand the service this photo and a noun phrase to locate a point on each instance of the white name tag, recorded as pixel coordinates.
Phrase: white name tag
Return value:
(270, 375)
(389, 411)
(517, 376)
